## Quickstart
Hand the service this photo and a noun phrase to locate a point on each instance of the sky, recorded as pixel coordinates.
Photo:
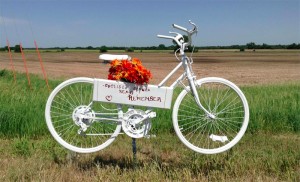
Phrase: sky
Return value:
(74, 23)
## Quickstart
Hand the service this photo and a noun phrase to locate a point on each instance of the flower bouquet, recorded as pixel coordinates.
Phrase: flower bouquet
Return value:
(129, 71)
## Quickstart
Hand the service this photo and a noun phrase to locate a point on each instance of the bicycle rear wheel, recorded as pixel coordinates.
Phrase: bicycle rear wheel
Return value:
(70, 109)
(205, 134)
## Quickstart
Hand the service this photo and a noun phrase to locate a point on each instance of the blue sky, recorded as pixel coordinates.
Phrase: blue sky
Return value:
(83, 23)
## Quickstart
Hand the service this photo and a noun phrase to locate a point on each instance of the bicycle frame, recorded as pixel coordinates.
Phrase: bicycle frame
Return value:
(185, 63)
(189, 75)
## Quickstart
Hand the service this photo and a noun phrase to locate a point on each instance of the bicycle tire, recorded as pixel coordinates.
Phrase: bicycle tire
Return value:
(202, 133)
(71, 97)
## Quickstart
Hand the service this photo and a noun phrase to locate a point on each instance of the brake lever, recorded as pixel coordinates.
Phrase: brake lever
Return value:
(195, 29)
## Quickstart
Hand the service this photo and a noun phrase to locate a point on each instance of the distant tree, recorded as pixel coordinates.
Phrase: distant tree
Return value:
(62, 50)
(265, 46)
(293, 46)
(2, 49)
(251, 45)
(161, 47)
(89, 47)
(171, 47)
(131, 49)
(17, 48)
(103, 49)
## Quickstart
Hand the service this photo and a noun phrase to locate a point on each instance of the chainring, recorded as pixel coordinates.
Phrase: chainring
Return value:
(132, 126)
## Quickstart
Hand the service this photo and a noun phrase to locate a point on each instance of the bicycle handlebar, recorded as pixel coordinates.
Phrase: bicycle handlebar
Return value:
(179, 36)
(165, 37)
(176, 38)
(180, 28)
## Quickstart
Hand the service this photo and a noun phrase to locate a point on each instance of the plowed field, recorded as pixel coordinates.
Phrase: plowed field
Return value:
(243, 68)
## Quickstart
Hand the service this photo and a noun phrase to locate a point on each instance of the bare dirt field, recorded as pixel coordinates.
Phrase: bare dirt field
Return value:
(243, 68)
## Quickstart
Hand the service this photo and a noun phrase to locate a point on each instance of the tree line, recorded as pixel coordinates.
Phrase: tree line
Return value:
(250, 45)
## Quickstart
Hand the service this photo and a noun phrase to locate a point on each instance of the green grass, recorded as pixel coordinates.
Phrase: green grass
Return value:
(273, 108)
(22, 108)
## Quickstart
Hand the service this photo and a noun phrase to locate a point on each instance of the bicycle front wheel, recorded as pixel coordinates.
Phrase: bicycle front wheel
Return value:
(71, 117)
(203, 133)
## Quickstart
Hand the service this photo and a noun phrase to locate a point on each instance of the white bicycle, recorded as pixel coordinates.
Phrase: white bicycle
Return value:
(210, 115)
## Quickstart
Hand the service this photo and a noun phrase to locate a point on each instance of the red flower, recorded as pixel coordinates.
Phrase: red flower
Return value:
(130, 71)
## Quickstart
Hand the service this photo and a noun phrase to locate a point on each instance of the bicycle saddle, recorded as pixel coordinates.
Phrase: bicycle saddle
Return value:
(111, 57)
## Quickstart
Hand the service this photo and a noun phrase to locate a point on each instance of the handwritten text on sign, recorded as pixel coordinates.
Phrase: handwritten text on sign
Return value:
(132, 94)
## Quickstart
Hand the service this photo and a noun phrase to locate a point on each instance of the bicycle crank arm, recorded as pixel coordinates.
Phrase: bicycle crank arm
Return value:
(149, 115)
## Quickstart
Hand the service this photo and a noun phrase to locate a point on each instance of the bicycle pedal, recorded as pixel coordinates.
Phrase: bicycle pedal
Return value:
(150, 136)
(151, 114)
(81, 133)
(222, 139)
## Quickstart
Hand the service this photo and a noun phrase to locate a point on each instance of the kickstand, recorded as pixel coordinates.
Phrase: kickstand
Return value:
(134, 152)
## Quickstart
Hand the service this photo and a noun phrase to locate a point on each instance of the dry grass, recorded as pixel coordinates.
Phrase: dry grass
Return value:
(260, 157)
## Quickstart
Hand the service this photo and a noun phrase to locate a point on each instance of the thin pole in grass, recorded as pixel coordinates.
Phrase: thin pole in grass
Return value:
(42, 66)
(25, 65)
(22, 52)
(11, 60)
(39, 56)
(134, 152)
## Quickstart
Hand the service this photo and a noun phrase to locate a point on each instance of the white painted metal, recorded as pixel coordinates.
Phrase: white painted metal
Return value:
(136, 123)
(222, 139)
(170, 74)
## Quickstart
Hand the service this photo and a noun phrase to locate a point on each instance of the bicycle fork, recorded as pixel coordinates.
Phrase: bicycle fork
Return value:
(191, 80)
(196, 96)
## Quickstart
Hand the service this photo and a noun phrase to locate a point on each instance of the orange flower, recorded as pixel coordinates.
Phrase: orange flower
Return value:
(136, 61)
(129, 71)
(115, 63)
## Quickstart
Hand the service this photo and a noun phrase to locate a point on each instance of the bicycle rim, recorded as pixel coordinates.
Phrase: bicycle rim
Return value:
(202, 133)
(69, 100)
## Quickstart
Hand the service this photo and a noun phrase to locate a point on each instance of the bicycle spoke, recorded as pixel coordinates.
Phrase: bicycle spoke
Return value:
(205, 133)
(74, 99)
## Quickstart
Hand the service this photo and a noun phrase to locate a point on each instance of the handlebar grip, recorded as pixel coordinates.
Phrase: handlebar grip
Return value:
(180, 28)
(165, 37)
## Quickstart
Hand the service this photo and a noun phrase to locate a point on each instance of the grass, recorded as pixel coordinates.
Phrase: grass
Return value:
(269, 151)
(273, 108)
(259, 157)
(22, 108)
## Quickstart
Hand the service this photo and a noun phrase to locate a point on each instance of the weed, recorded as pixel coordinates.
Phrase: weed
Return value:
(21, 146)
